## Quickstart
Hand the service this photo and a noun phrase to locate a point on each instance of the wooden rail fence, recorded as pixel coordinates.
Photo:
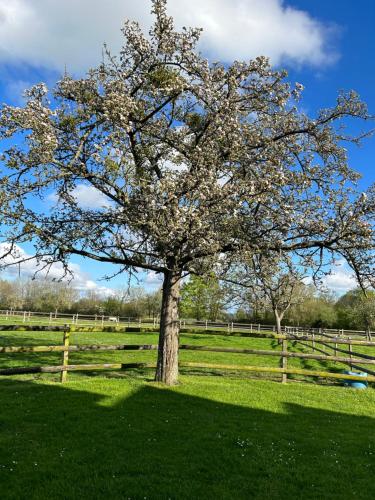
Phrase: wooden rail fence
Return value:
(100, 320)
(351, 358)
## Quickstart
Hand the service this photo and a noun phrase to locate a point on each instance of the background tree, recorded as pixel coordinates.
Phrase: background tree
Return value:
(91, 302)
(135, 302)
(365, 311)
(194, 159)
(152, 304)
(357, 310)
(315, 309)
(37, 295)
(48, 296)
(11, 294)
(202, 297)
(270, 280)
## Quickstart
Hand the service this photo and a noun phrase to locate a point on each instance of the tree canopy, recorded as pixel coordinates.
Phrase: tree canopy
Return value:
(194, 159)
(203, 298)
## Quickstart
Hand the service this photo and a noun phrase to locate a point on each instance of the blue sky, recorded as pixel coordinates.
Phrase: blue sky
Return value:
(325, 45)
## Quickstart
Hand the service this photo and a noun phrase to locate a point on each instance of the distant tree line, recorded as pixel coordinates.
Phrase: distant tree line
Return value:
(209, 299)
(202, 298)
(49, 296)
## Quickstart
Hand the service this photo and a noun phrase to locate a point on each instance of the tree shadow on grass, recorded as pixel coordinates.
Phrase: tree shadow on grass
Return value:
(59, 442)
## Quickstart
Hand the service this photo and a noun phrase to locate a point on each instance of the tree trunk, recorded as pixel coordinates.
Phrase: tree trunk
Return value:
(167, 365)
(368, 332)
(278, 319)
(278, 323)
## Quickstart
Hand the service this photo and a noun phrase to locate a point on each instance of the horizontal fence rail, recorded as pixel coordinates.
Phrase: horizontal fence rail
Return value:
(123, 366)
(147, 347)
(78, 348)
(80, 367)
(288, 371)
(311, 341)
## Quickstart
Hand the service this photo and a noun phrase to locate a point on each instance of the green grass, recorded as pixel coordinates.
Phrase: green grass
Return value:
(119, 437)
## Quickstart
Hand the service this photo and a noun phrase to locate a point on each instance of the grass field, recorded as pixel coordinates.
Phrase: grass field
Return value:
(120, 437)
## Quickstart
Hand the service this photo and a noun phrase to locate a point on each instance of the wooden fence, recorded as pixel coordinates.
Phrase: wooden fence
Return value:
(101, 320)
(316, 343)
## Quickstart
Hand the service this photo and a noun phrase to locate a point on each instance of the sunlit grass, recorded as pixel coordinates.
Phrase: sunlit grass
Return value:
(208, 438)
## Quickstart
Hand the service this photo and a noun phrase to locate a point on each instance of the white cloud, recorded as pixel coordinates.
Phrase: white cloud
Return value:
(341, 278)
(81, 280)
(86, 196)
(14, 90)
(241, 30)
(153, 280)
(69, 33)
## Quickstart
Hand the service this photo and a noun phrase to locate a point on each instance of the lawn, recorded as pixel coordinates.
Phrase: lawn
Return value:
(117, 436)
(120, 435)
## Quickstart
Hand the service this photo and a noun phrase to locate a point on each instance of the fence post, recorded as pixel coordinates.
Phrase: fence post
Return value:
(206, 325)
(102, 321)
(65, 357)
(50, 318)
(313, 341)
(258, 328)
(24, 317)
(284, 361)
(350, 349)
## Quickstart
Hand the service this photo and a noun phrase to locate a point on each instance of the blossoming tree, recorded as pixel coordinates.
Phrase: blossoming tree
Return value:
(273, 281)
(194, 160)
